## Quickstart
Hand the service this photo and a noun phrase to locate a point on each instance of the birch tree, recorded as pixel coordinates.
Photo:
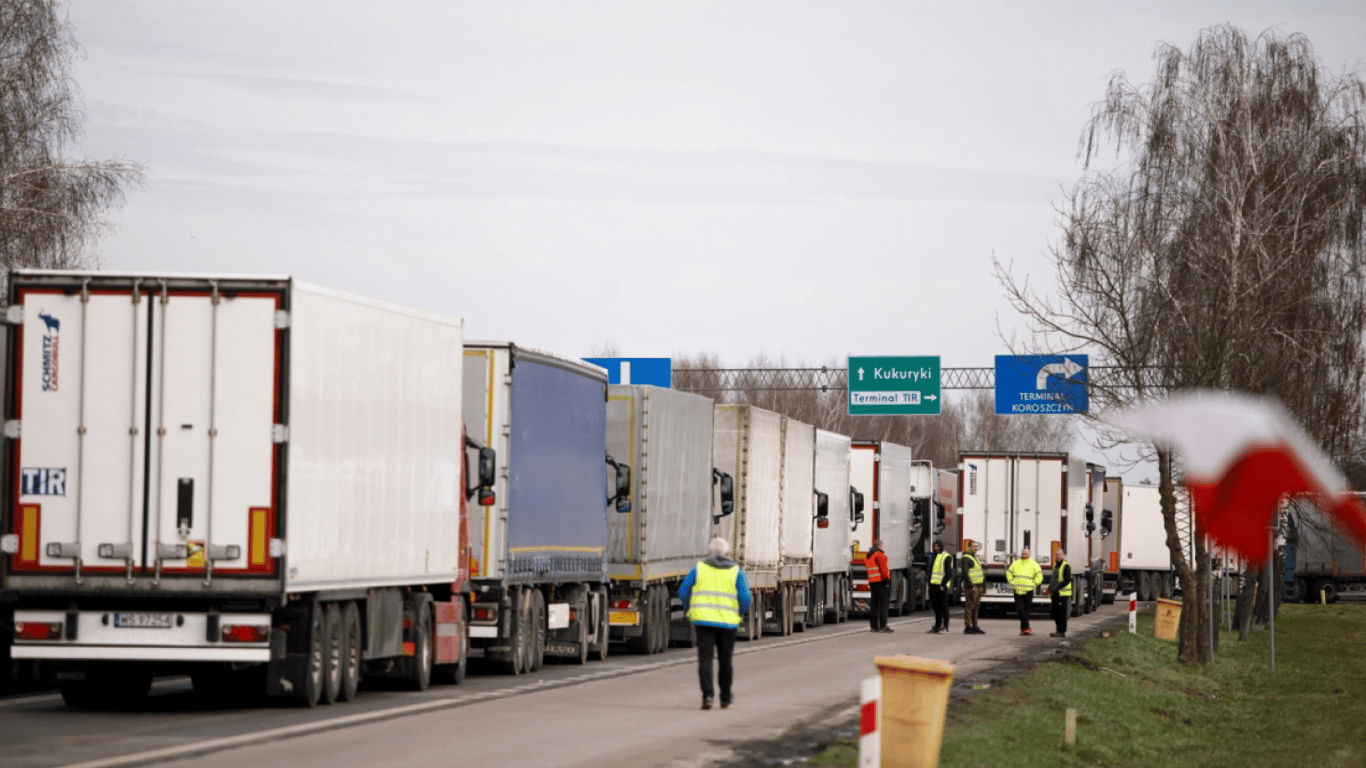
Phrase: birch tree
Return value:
(1224, 249)
(51, 205)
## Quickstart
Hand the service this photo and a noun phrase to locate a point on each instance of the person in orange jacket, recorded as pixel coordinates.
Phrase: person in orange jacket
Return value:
(879, 587)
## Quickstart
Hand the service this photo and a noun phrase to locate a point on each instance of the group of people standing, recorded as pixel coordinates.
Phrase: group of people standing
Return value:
(716, 597)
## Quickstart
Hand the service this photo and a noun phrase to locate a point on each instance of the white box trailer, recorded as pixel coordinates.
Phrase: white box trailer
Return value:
(251, 480)
(786, 606)
(884, 469)
(666, 437)
(1112, 502)
(1013, 500)
(1145, 562)
(935, 516)
(833, 537)
(747, 444)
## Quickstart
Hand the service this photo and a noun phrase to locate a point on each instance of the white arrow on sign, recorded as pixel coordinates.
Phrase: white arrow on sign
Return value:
(931, 397)
(860, 374)
(1067, 369)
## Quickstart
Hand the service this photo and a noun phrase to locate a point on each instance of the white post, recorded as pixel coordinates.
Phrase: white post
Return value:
(625, 371)
(870, 723)
(1133, 613)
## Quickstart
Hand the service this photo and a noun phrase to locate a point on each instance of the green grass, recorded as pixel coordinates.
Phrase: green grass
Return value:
(1137, 707)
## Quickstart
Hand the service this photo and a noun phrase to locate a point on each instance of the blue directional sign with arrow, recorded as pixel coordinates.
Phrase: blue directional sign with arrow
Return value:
(1049, 384)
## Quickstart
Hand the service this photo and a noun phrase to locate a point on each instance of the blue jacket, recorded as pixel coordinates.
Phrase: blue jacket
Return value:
(741, 587)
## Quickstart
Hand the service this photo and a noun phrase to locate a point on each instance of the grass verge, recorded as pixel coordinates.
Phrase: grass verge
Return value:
(1137, 707)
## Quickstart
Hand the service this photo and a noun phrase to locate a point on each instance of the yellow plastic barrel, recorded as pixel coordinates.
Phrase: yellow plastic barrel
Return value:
(915, 699)
(1168, 619)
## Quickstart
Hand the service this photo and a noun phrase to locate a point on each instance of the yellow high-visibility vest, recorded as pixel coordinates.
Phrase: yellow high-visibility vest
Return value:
(1024, 576)
(975, 575)
(940, 562)
(714, 598)
(1064, 574)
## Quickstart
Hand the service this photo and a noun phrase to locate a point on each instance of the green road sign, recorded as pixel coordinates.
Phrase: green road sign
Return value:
(897, 386)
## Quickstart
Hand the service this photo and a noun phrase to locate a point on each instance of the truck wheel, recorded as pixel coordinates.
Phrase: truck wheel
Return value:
(317, 658)
(1296, 591)
(417, 671)
(516, 663)
(665, 618)
(1326, 587)
(601, 641)
(582, 636)
(350, 652)
(332, 656)
(643, 643)
(538, 637)
(1145, 586)
(815, 606)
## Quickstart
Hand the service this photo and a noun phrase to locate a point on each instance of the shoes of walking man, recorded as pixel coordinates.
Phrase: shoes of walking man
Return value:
(1058, 634)
(706, 703)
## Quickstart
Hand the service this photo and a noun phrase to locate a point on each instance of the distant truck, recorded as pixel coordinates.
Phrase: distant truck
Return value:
(1143, 559)
(797, 513)
(1321, 561)
(205, 483)
(1037, 500)
(539, 570)
(839, 509)
(884, 469)
(666, 437)
(936, 516)
(747, 444)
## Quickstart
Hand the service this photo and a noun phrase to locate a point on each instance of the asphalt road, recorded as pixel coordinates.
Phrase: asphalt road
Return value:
(627, 711)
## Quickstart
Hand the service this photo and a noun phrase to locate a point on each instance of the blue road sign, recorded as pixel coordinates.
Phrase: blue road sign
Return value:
(1041, 384)
(655, 371)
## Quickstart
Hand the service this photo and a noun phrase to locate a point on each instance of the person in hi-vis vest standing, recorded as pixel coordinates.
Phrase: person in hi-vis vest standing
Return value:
(715, 594)
(879, 587)
(941, 581)
(1060, 592)
(972, 578)
(1024, 576)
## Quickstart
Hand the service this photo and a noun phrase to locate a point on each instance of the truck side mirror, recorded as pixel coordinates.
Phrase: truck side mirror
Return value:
(938, 518)
(822, 509)
(727, 484)
(1107, 522)
(622, 497)
(484, 476)
(855, 506)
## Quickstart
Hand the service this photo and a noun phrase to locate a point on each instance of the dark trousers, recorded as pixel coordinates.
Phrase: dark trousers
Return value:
(1060, 610)
(939, 598)
(721, 641)
(1023, 605)
(880, 599)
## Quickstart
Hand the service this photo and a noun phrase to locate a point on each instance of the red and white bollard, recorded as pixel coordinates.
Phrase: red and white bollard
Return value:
(870, 724)
(1133, 613)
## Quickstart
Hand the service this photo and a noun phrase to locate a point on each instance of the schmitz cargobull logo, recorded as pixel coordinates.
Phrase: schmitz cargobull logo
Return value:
(51, 351)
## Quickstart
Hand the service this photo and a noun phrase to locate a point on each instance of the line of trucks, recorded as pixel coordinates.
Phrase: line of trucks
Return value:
(280, 488)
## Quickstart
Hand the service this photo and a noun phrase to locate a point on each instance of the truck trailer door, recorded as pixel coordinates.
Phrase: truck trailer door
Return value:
(145, 422)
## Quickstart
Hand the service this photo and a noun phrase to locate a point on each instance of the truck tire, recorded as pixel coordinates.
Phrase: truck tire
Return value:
(1296, 591)
(660, 609)
(815, 603)
(895, 599)
(522, 632)
(332, 655)
(539, 630)
(1168, 585)
(1326, 587)
(643, 644)
(601, 642)
(1145, 587)
(350, 653)
(312, 689)
(419, 672)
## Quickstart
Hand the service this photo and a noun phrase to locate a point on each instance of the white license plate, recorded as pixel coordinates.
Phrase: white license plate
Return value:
(144, 620)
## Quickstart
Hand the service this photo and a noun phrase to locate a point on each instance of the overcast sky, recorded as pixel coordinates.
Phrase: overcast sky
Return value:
(802, 180)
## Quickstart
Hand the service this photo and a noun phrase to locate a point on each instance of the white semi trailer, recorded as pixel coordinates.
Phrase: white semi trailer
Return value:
(1015, 500)
(747, 444)
(251, 480)
(839, 511)
(666, 437)
(884, 469)
(788, 609)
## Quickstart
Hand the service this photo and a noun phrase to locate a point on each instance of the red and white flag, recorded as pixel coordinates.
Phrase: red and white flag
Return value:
(1242, 455)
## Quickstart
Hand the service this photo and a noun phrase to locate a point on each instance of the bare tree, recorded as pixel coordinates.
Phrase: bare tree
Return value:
(1226, 250)
(50, 205)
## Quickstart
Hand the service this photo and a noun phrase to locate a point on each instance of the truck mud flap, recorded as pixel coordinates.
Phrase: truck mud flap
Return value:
(568, 648)
(286, 675)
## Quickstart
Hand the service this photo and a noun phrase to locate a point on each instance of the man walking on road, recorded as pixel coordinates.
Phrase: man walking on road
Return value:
(715, 594)
(879, 587)
(941, 580)
(1060, 592)
(1024, 575)
(972, 579)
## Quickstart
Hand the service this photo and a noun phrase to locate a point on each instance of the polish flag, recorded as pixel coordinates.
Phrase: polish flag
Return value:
(1242, 455)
